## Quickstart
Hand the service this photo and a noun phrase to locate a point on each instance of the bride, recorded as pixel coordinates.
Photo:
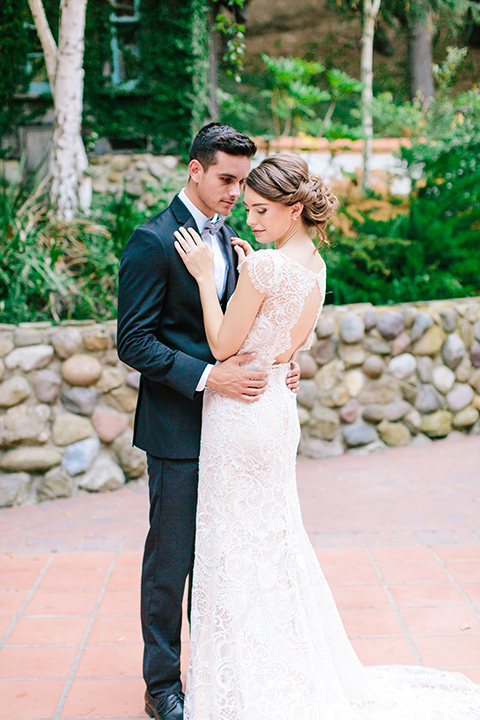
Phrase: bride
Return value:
(267, 641)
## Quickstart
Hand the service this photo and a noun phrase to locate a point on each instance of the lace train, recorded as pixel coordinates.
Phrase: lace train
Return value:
(267, 640)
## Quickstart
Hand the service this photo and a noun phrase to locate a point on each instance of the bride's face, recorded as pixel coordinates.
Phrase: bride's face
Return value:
(269, 221)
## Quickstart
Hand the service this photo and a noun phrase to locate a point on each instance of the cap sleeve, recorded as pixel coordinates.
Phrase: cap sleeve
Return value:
(260, 266)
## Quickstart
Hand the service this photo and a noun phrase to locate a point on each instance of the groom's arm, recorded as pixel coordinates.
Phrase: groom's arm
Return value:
(142, 285)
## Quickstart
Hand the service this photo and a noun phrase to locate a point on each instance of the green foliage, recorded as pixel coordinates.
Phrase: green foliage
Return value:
(296, 99)
(430, 252)
(13, 69)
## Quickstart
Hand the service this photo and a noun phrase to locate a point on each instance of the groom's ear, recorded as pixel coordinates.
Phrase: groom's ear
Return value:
(196, 170)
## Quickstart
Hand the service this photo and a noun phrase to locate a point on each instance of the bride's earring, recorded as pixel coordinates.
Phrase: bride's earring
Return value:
(294, 217)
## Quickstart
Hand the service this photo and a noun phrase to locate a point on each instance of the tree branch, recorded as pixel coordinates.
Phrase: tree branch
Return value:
(49, 45)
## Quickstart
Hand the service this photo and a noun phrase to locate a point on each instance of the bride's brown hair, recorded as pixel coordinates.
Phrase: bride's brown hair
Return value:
(285, 179)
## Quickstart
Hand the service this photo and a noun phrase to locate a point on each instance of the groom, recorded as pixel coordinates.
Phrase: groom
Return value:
(161, 334)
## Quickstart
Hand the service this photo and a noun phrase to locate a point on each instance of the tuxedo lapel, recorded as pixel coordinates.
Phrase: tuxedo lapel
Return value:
(182, 214)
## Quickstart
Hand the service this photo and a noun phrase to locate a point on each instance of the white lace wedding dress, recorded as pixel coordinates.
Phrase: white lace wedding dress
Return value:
(267, 641)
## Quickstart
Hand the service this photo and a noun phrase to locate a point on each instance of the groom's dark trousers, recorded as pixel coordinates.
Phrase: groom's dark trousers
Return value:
(161, 334)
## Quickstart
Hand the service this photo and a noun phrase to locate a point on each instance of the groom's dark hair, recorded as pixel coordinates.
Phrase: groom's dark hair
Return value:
(216, 137)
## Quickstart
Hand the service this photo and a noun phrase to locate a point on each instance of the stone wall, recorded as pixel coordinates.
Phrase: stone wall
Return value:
(66, 412)
(390, 376)
(374, 377)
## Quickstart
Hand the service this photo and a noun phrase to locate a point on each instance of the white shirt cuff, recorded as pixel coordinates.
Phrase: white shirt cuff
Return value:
(203, 378)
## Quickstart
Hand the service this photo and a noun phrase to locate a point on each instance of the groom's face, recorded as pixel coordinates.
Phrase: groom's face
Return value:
(219, 186)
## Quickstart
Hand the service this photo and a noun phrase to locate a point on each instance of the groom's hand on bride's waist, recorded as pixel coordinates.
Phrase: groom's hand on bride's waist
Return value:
(231, 379)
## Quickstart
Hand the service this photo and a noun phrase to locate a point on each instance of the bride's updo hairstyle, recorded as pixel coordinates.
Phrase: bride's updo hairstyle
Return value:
(285, 179)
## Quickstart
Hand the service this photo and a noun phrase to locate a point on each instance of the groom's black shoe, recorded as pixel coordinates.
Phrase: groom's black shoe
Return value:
(166, 707)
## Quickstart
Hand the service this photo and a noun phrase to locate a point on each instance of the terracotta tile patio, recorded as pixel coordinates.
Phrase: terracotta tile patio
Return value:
(398, 542)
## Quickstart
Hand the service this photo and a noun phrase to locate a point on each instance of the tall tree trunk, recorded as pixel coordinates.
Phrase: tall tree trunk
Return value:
(370, 12)
(420, 33)
(68, 161)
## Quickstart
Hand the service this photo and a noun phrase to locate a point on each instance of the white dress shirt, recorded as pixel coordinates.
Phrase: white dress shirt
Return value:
(220, 266)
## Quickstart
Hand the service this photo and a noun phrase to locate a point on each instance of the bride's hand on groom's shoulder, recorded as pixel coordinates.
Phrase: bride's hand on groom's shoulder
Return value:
(242, 248)
(196, 255)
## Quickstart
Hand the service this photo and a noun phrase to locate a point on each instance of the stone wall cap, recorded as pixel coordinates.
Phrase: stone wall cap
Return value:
(6, 326)
(77, 323)
(43, 325)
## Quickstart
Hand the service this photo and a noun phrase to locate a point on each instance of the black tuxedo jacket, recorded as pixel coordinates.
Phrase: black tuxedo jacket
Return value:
(161, 333)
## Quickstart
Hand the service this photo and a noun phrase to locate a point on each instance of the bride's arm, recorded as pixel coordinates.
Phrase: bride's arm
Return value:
(225, 333)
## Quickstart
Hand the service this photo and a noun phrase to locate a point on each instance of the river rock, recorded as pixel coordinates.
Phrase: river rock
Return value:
(98, 338)
(459, 397)
(57, 483)
(391, 324)
(453, 351)
(421, 324)
(324, 423)
(476, 330)
(409, 314)
(370, 319)
(352, 328)
(401, 344)
(81, 370)
(421, 440)
(6, 344)
(329, 375)
(354, 382)
(472, 312)
(425, 368)
(402, 366)
(110, 357)
(13, 488)
(352, 354)
(475, 381)
(123, 399)
(47, 384)
(321, 449)
(13, 391)
(25, 424)
(30, 459)
(325, 327)
(308, 367)
(476, 402)
(349, 412)
(466, 417)
(303, 415)
(466, 332)
(67, 341)
(80, 400)
(133, 378)
(2, 368)
(25, 337)
(443, 378)
(413, 421)
(79, 456)
(307, 393)
(325, 350)
(336, 397)
(475, 354)
(109, 424)
(375, 344)
(428, 399)
(449, 319)
(68, 428)
(373, 413)
(132, 460)
(437, 424)
(29, 358)
(382, 390)
(356, 435)
(111, 377)
(464, 370)
(103, 475)
(396, 410)
(374, 366)
(394, 434)
(431, 342)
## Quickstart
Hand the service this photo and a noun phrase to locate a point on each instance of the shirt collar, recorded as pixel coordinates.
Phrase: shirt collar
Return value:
(197, 214)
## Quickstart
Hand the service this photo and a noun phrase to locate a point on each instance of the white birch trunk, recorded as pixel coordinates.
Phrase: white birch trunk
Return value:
(68, 161)
(370, 12)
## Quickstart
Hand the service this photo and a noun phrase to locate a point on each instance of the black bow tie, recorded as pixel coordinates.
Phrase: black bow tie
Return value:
(212, 228)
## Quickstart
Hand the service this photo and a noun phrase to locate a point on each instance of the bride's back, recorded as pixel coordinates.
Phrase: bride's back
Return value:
(287, 317)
